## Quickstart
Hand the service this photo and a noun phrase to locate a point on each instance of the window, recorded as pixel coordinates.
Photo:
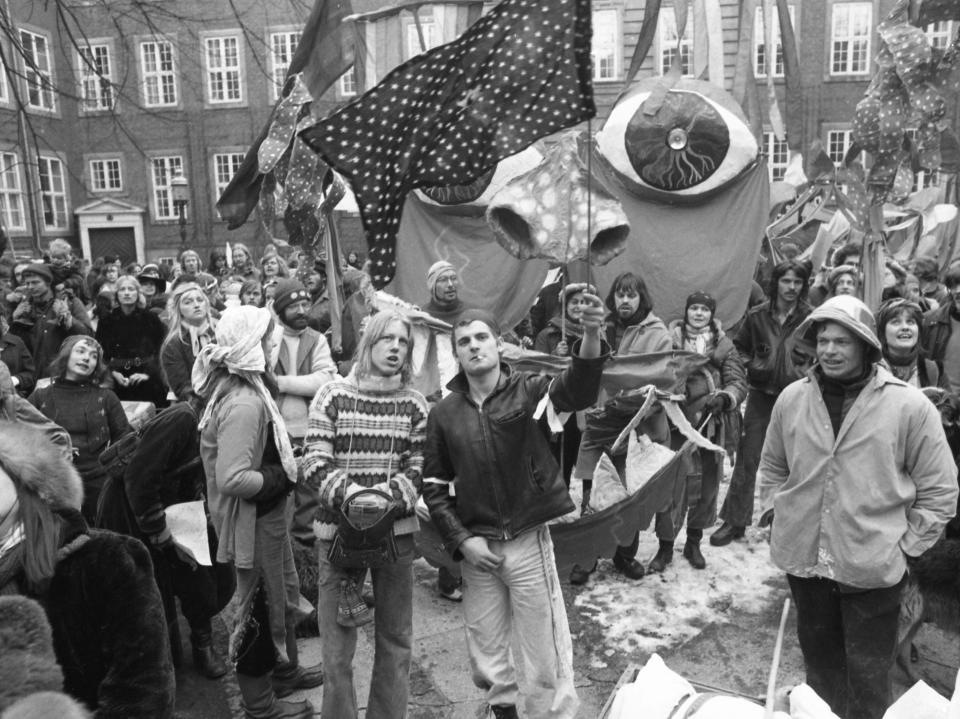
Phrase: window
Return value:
(105, 175)
(4, 93)
(605, 50)
(37, 71)
(850, 38)
(759, 43)
(12, 216)
(96, 75)
(838, 143)
(164, 170)
(940, 34)
(223, 69)
(282, 47)
(667, 28)
(778, 156)
(159, 73)
(53, 193)
(348, 82)
(431, 36)
(225, 166)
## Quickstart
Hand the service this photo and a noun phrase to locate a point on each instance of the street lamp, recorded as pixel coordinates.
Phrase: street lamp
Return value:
(180, 190)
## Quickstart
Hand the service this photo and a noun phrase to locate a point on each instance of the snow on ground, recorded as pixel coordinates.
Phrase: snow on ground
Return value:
(664, 610)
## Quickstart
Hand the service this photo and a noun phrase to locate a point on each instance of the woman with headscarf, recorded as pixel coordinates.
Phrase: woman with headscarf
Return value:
(713, 397)
(250, 471)
(191, 329)
(97, 587)
(899, 328)
(91, 414)
(131, 336)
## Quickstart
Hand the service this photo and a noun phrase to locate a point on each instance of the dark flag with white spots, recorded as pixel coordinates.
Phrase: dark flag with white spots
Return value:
(446, 117)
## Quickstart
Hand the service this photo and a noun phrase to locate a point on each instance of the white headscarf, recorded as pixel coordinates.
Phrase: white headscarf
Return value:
(239, 349)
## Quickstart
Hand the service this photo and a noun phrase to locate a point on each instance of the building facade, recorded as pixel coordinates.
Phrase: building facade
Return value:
(100, 112)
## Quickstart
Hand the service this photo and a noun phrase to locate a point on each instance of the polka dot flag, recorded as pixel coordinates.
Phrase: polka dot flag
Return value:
(443, 118)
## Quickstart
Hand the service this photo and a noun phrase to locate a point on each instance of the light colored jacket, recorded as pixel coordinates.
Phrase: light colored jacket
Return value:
(298, 384)
(851, 508)
(648, 335)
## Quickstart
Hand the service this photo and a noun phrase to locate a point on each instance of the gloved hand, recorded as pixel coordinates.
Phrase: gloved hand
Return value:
(718, 403)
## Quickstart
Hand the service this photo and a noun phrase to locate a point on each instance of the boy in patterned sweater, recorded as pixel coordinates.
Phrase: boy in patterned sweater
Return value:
(367, 430)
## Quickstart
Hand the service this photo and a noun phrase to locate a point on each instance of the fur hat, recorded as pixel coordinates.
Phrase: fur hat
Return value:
(37, 464)
(847, 311)
(27, 661)
(288, 291)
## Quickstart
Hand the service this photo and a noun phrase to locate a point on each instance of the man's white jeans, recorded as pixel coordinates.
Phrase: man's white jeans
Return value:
(521, 599)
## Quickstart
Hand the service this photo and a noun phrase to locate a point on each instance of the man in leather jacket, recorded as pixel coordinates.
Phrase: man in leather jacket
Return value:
(492, 484)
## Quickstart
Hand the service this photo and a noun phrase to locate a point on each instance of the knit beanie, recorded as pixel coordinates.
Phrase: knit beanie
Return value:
(701, 298)
(437, 269)
(288, 291)
(40, 270)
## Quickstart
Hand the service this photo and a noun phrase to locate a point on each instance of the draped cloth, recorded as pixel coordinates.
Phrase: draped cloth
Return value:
(239, 350)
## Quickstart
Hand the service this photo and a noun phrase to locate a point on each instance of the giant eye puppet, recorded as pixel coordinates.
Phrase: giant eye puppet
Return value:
(671, 187)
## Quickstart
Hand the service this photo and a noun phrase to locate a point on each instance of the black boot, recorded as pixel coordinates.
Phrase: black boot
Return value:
(259, 701)
(663, 557)
(206, 659)
(692, 553)
(580, 575)
(726, 534)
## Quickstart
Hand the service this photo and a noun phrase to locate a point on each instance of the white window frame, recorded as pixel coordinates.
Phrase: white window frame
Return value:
(347, 84)
(96, 88)
(53, 192)
(223, 76)
(106, 173)
(282, 45)
(156, 67)
(760, 41)
(778, 156)
(843, 137)
(607, 54)
(667, 42)
(4, 90)
(940, 33)
(162, 169)
(844, 14)
(432, 35)
(223, 166)
(11, 193)
(38, 77)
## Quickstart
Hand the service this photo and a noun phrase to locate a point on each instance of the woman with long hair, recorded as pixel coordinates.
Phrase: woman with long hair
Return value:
(218, 263)
(250, 470)
(131, 337)
(273, 267)
(97, 587)
(191, 329)
(91, 414)
(900, 330)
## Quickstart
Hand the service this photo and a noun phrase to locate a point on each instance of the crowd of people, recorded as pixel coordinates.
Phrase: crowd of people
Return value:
(294, 441)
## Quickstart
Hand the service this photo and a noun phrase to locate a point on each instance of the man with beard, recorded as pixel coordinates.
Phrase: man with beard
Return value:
(43, 321)
(444, 285)
(484, 442)
(318, 314)
(764, 343)
(302, 364)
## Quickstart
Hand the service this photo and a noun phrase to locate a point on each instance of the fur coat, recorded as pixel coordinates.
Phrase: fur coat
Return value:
(109, 631)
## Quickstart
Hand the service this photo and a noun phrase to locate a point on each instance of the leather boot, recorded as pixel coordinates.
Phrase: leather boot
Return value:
(259, 701)
(663, 557)
(206, 659)
(692, 553)
(726, 534)
(291, 677)
(580, 575)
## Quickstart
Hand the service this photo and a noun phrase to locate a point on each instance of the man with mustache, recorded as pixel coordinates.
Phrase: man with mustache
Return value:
(302, 364)
(763, 342)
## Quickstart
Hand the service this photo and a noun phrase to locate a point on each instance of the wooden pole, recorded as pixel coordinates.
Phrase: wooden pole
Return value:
(775, 665)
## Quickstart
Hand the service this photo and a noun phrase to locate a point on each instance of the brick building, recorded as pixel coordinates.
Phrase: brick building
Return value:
(116, 106)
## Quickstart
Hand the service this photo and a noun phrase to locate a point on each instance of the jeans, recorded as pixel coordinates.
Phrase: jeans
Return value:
(738, 506)
(849, 638)
(393, 622)
(521, 599)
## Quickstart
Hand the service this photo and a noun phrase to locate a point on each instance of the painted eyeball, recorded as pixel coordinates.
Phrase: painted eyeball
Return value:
(479, 192)
(687, 141)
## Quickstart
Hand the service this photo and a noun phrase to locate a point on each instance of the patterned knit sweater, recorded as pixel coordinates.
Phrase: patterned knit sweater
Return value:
(362, 433)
